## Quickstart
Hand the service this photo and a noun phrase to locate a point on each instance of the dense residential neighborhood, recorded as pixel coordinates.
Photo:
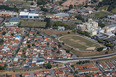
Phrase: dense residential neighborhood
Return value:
(57, 38)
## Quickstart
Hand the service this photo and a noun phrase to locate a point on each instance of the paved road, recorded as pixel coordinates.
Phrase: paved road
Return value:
(82, 59)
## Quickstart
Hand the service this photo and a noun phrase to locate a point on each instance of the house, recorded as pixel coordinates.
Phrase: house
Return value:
(87, 68)
(61, 28)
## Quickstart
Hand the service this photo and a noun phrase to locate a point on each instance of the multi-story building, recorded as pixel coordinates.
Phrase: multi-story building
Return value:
(90, 26)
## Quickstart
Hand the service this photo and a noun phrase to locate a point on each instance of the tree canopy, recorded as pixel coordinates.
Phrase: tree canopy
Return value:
(58, 23)
(111, 3)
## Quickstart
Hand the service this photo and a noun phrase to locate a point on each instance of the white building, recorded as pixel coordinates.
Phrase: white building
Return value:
(61, 28)
(90, 26)
(28, 15)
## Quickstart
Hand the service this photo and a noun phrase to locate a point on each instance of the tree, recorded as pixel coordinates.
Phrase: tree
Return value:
(33, 44)
(2, 67)
(68, 32)
(48, 66)
(110, 45)
(59, 46)
(106, 52)
(94, 1)
(100, 41)
(28, 46)
(44, 9)
(48, 43)
(74, 30)
(59, 23)
(12, 34)
(110, 3)
(41, 2)
(47, 20)
(1, 41)
(115, 34)
(3, 33)
(100, 49)
(70, 7)
(101, 24)
(31, 3)
(67, 51)
(80, 18)
(62, 43)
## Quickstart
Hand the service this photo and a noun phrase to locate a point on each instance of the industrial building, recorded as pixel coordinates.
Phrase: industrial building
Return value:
(28, 15)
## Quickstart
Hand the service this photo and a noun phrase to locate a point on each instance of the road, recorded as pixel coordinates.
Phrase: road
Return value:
(85, 58)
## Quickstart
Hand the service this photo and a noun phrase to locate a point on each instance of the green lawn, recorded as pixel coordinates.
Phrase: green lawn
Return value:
(32, 24)
(22, 3)
(100, 14)
(78, 42)
(114, 11)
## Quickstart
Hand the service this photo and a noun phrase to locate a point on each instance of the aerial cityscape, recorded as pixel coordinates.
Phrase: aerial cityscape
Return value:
(57, 38)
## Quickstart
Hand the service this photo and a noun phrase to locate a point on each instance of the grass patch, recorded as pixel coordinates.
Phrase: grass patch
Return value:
(100, 14)
(78, 42)
(18, 3)
(114, 11)
(104, 8)
(32, 24)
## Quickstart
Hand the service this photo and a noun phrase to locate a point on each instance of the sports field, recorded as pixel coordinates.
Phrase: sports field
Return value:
(32, 24)
(78, 42)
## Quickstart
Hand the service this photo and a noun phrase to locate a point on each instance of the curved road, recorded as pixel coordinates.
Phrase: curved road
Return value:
(87, 58)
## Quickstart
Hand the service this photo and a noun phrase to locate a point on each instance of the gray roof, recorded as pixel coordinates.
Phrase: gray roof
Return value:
(62, 14)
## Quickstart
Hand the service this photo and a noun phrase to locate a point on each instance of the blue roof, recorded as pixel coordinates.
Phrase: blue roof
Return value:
(18, 36)
(14, 19)
(54, 36)
(8, 25)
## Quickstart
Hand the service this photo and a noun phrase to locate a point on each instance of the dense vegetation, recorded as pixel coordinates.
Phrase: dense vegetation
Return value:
(2, 68)
(111, 3)
(1, 41)
(47, 20)
(58, 23)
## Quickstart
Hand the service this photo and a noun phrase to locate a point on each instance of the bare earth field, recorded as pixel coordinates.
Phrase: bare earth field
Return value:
(51, 32)
(32, 24)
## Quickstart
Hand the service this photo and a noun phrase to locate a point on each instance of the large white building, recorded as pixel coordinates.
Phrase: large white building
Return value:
(28, 15)
(90, 26)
